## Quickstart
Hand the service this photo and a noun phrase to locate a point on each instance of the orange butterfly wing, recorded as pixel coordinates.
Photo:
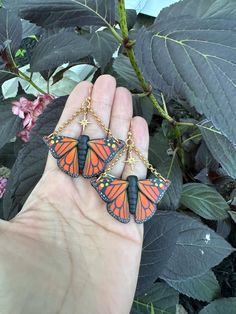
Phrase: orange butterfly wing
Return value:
(106, 148)
(153, 188)
(60, 145)
(119, 208)
(145, 209)
(65, 149)
(150, 193)
(100, 152)
(113, 192)
(69, 163)
(93, 165)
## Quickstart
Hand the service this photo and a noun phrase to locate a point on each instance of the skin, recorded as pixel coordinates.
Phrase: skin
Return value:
(63, 253)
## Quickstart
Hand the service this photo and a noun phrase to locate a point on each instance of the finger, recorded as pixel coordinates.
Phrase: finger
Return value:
(140, 134)
(74, 101)
(102, 99)
(121, 115)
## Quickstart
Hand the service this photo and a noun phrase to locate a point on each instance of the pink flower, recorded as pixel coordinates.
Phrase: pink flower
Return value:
(18, 112)
(38, 109)
(3, 183)
(24, 135)
(29, 121)
(21, 107)
(29, 111)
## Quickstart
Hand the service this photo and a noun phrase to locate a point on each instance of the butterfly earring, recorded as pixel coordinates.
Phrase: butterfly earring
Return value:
(131, 196)
(83, 156)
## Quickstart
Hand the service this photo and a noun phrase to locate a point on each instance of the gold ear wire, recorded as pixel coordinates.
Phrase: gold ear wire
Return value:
(131, 161)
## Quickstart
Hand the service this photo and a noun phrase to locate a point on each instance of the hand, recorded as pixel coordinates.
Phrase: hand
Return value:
(63, 253)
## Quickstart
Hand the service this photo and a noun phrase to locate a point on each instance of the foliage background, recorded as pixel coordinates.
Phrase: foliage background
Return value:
(180, 68)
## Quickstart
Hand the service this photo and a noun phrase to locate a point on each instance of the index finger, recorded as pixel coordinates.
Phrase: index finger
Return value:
(73, 103)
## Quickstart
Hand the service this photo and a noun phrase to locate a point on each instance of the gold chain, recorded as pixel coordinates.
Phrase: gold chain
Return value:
(112, 164)
(147, 164)
(67, 122)
(129, 145)
(99, 122)
(85, 108)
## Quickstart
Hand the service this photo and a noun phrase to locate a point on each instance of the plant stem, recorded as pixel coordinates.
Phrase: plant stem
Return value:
(164, 103)
(21, 74)
(123, 21)
(179, 146)
(130, 53)
(115, 34)
(28, 79)
(140, 94)
(150, 305)
(48, 87)
(209, 129)
(186, 124)
(172, 162)
(191, 138)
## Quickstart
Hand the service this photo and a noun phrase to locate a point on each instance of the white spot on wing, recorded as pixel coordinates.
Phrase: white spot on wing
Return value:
(202, 252)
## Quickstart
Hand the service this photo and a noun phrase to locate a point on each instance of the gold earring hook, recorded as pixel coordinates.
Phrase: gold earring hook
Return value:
(130, 142)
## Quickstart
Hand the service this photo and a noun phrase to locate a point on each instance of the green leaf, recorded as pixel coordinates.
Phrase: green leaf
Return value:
(20, 53)
(10, 124)
(58, 49)
(203, 9)
(4, 74)
(103, 45)
(198, 249)
(61, 74)
(193, 60)
(171, 198)
(30, 161)
(143, 20)
(65, 13)
(160, 299)
(10, 30)
(159, 157)
(131, 16)
(232, 215)
(23, 55)
(30, 30)
(204, 201)
(158, 245)
(203, 288)
(220, 147)
(180, 248)
(204, 159)
(220, 306)
(7, 155)
(143, 107)
(180, 309)
(126, 75)
(4, 172)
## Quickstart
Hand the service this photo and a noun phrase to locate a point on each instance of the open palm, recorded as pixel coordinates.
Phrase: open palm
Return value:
(63, 253)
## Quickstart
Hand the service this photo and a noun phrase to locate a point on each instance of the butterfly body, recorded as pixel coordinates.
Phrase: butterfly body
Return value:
(131, 196)
(82, 156)
(82, 150)
(132, 193)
